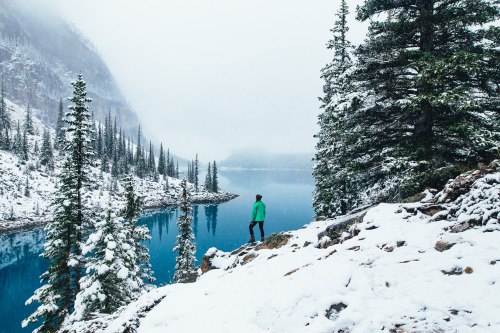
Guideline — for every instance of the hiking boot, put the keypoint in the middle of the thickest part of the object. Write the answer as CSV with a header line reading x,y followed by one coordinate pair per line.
x,y
252,239
262,239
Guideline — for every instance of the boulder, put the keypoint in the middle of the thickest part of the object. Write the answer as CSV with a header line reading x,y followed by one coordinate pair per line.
x,y
274,241
443,246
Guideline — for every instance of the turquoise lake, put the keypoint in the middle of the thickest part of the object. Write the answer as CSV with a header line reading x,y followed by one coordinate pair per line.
x,y
287,195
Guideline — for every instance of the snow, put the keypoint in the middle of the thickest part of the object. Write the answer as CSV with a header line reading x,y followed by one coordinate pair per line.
x,y
387,276
18,210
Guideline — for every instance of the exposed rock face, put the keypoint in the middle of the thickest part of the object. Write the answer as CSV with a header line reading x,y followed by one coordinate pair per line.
x,y
333,233
40,55
206,261
274,241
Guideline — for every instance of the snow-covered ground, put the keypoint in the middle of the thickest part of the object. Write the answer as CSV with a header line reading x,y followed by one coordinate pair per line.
x,y
431,266
20,208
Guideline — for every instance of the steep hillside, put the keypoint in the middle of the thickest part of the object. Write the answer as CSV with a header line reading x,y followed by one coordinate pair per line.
x,y
40,54
429,266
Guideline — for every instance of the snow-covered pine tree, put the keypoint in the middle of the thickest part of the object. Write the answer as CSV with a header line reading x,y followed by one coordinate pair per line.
x,y
208,179
111,279
73,219
161,162
139,233
23,153
184,246
332,190
429,68
4,120
215,178
151,160
46,154
28,122
59,126
196,173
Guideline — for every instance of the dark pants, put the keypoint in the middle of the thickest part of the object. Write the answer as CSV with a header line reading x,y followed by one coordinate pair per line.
x,y
261,227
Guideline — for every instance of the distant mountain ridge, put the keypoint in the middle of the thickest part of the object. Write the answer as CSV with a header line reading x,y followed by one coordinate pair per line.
x,y
41,54
252,158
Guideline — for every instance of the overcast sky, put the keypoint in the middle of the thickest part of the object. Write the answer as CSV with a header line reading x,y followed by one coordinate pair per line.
x,y
211,77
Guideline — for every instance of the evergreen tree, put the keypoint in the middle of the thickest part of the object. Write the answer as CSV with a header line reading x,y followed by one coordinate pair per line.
x,y
24,146
426,101
115,170
161,162
46,155
112,280
18,141
196,172
331,194
99,143
28,123
60,126
4,116
151,159
208,179
177,170
215,178
140,233
184,246
73,217
4,120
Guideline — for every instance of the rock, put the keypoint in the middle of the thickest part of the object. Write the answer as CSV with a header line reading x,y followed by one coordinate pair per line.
x,y
468,270
442,246
334,310
415,198
454,271
461,227
248,258
341,225
274,241
291,272
307,243
206,261
354,248
431,210
400,243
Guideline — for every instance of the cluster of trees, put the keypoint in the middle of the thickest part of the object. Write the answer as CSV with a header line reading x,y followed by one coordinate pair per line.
x,y
211,179
17,140
412,106
96,264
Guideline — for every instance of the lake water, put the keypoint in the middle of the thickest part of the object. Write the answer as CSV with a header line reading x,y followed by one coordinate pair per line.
x,y
287,195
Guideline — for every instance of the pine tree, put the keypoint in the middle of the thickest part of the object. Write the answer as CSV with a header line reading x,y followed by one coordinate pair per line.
x,y
46,154
331,194
59,126
215,178
161,162
196,172
73,218
140,233
4,120
112,280
24,146
430,70
28,123
151,160
184,246
208,179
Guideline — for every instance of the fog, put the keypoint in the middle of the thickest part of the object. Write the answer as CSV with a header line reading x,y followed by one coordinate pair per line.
x,y
210,77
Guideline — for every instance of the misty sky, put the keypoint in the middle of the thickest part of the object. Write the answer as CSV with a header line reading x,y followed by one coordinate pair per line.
x,y
211,77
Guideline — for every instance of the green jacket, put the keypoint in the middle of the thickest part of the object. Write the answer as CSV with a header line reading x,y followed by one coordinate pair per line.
x,y
259,211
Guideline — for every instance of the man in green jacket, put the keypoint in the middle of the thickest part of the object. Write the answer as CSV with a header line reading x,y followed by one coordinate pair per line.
x,y
258,216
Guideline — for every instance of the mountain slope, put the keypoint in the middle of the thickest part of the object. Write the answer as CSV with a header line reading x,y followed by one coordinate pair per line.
x,y
430,266
40,55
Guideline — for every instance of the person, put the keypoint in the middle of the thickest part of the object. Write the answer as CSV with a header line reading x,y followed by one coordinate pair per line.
x,y
258,216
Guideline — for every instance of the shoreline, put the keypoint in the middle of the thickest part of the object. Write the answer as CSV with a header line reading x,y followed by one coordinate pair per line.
x,y
28,223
